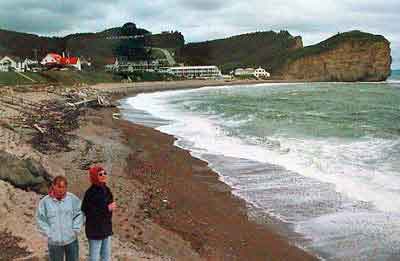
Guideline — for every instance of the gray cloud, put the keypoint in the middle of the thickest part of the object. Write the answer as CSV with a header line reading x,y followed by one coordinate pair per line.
x,y
204,5
201,20
50,17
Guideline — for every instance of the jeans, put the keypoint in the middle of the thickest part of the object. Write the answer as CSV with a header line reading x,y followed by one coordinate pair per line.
x,y
71,252
100,249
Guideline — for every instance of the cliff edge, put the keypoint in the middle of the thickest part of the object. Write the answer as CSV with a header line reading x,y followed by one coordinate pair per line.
x,y
348,57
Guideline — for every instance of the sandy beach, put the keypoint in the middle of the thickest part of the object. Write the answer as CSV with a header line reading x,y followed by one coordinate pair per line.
x,y
171,205
137,87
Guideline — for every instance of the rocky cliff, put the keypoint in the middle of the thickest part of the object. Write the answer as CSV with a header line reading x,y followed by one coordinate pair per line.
x,y
351,56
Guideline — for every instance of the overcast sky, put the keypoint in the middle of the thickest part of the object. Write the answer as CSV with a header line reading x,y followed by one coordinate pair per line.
x,y
201,20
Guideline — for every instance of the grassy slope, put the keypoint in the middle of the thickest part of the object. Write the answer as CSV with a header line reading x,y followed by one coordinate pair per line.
x,y
73,77
157,54
12,78
58,77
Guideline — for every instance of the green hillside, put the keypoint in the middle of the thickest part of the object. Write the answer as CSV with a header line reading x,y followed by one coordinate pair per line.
x,y
270,50
28,45
58,77
248,50
100,48
13,78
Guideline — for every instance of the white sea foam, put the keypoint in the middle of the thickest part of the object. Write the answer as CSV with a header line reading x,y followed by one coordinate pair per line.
x,y
396,82
345,165
355,236
338,227
329,160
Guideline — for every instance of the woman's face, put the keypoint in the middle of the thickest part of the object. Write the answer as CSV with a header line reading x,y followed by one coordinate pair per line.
x,y
102,176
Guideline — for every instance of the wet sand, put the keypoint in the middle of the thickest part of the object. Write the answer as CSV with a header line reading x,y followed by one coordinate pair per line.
x,y
185,196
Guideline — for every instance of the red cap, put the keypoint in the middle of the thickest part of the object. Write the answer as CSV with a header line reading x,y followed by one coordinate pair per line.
x,y
94,174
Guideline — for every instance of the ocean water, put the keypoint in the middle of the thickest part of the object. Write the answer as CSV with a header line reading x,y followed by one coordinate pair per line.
x,y
323,158
394,76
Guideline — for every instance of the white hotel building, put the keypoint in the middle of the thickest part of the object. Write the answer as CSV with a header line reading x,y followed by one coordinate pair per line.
x,y
192,72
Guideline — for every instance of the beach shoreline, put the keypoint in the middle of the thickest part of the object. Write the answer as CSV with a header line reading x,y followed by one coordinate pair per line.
x,y
127,89
248,237
199,207
172,206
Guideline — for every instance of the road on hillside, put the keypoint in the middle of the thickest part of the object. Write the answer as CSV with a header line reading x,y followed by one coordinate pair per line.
x,y
170,59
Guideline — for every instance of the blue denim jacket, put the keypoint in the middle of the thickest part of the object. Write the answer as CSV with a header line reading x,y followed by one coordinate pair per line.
x,y
60,220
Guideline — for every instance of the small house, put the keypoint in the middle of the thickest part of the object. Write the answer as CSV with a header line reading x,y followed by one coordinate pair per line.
x,y
56,60
51,59
72,62
9,64
261,73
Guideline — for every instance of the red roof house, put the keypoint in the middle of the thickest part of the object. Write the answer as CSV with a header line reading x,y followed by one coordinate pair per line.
x,y
53,59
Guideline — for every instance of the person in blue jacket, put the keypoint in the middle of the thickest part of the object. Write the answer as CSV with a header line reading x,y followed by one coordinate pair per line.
x,y
59,218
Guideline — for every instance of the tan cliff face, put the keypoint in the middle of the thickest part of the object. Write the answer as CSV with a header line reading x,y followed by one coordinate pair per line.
x,y
298,43
349,61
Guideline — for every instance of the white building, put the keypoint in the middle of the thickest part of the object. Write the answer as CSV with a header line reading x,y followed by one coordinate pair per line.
x,y
258,73
8,64
130,66
261,73
30,65
244,72
193,72
28,61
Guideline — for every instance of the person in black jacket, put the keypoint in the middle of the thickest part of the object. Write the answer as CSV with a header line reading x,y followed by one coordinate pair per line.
x,y
98,206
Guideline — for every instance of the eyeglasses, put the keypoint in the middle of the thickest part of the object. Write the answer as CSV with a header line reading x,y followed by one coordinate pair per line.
x,y
103,173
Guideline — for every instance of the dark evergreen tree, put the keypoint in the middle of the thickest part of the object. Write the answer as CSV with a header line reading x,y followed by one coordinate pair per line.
x,y
131,46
